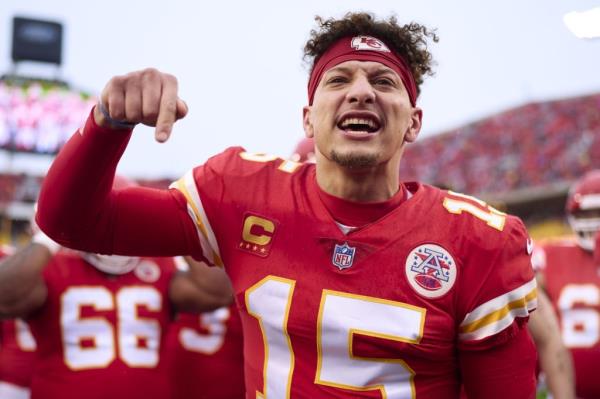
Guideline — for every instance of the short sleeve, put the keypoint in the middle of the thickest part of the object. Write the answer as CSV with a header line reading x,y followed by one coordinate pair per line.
x,y
203,186
499,288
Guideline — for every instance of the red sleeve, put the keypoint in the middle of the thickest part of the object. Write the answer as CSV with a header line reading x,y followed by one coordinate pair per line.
x,y
498,288
503,371
78,209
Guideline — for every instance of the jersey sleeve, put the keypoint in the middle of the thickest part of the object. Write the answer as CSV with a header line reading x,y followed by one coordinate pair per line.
x,y
495,374
210,190
78,209
498,289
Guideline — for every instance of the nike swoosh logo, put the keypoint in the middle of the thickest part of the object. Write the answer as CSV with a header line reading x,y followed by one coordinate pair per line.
x,y
529,246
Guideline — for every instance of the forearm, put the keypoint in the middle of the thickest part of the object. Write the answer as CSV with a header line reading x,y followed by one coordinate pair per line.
x,y
555,358
192,300
75,196
201,288
79,209
22,286
556,363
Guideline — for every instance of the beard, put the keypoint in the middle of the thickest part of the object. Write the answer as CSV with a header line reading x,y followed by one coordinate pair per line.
x,y
353,160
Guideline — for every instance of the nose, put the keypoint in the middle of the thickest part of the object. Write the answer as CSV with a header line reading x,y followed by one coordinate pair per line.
x,y
361,91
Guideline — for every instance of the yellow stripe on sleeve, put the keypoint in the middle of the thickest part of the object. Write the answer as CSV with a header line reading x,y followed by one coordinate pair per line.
x,y
499,313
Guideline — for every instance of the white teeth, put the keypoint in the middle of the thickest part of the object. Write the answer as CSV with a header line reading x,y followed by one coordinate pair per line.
x,y
359,121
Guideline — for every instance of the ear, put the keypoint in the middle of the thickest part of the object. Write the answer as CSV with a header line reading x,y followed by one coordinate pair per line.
x,y
415,127
306,122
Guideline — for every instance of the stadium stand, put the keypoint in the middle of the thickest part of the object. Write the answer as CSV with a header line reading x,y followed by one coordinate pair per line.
x,y
538,146
523,159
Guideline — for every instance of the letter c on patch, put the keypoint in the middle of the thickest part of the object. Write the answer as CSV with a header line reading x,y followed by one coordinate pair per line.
x,y
259,239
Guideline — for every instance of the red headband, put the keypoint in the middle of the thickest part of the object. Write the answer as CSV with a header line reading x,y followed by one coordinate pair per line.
x,y
361,48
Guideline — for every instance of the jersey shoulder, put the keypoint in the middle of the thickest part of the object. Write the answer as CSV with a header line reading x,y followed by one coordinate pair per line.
x,y
237,162
472,223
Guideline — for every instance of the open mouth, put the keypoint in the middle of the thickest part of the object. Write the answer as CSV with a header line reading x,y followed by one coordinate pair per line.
x,y
359,125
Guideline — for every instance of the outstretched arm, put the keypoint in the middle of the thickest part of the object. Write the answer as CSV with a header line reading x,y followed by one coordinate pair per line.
x,y
77,207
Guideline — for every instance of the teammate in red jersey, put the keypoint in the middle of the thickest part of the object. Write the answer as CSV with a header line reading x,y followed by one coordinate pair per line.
x,y
17,357
571,278
100,321
206,354
17,354
350,284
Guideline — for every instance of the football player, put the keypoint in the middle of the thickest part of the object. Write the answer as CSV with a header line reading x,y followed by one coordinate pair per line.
x,y
350,284
555,361
17,354
571,278
100,321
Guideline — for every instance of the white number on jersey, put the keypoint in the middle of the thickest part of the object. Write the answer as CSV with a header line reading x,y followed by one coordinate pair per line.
x,y
580,326
341,317
24,337
215,323
94,342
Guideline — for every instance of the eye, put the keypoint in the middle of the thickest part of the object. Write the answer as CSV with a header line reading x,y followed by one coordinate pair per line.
x,y
336,79
382,81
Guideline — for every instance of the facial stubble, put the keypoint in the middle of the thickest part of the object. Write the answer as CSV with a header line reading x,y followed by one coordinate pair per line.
x,y
353,160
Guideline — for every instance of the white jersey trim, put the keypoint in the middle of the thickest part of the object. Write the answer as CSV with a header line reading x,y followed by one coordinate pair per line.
x,y
497,314
187,186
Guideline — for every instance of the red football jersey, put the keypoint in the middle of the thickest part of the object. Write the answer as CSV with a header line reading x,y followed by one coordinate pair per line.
x,y
384,311
100,336
573,285
206,354
17,352
17,347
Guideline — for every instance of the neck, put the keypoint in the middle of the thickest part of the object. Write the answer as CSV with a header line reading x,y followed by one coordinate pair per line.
x,y
373,184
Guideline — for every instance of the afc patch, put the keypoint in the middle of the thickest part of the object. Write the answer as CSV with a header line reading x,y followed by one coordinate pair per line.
x,y
257,234
430,270
343,256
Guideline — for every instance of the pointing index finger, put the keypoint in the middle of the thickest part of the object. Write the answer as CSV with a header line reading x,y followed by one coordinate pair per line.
x,y
167,113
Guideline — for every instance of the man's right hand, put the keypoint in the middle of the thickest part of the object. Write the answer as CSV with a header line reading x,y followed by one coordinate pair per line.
x,y
148,97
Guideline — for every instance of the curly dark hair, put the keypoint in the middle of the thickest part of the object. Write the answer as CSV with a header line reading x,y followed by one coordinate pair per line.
x,y
409,41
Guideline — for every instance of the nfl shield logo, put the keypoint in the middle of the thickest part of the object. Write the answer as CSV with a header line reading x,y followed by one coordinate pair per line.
x,y
343,256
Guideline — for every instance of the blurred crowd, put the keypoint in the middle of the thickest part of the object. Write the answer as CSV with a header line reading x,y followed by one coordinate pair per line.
x,y
40,117
533,146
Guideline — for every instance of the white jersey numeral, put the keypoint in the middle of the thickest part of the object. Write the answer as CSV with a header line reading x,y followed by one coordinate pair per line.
x,y
491,216
342,316
24,337
269,302
91,342
134,330
286,165
579,326
215,323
